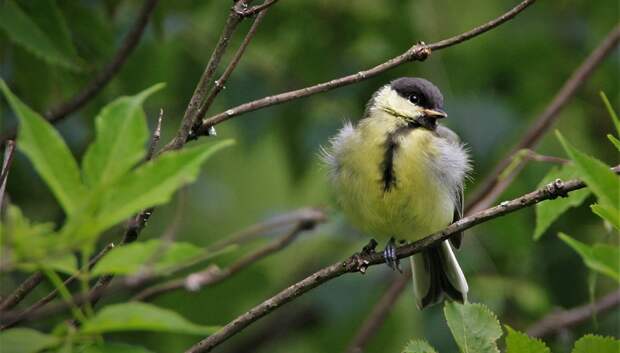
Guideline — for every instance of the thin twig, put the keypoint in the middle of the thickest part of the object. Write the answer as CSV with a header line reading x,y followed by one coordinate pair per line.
x,y
54,293
493,186
107,73
379,313
200,92
220,83
155,137
22,291
359,263
212,275
9,151
500,178
418,52
565,319
303,220
258,8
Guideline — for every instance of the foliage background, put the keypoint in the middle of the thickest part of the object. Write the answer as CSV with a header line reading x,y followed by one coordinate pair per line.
x,y
493,85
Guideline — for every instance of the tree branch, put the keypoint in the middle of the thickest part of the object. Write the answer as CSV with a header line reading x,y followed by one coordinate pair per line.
x,y
220,83
493,186
213,275
501,177
359,263
9,151
561,320
418,52
258,8
22,291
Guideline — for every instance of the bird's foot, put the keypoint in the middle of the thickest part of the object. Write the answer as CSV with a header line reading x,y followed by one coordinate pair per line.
x,y
370,247
361,264
389,253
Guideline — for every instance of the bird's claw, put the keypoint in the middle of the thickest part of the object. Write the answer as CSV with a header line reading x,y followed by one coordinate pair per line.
x,y
389,253
361,264
370,247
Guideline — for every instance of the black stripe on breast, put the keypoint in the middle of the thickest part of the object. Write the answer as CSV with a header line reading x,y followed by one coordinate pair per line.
x,y
388,177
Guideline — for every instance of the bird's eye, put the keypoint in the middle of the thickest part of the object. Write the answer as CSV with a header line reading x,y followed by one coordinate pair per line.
x,y
414,98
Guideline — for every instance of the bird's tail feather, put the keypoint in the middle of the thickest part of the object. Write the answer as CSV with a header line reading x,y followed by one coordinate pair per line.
x,y
436,273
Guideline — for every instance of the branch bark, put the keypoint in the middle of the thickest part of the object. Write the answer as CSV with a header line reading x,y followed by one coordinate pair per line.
x,y
562,320
359,263
9,151
418,52
493,186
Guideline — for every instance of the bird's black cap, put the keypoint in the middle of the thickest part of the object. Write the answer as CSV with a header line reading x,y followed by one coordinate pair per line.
x,y
429,94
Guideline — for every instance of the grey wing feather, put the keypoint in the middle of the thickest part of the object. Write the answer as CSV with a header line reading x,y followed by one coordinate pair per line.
x,y
451,136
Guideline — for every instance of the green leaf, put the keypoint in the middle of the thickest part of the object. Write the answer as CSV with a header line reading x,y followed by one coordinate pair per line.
x,y
30,241
25,340
548,212
49,18
608,213
129,259
66,263
153,183
599,257
419,346
109,347
614,140
22,30
517,342
120,141
604,183
142,317
612,112
475,328
48,153
596,344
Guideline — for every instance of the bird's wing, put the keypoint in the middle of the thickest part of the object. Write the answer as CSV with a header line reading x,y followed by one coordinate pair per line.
x,y
459,202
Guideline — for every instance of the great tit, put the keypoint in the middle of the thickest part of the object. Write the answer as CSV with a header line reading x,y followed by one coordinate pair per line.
x,y
398,175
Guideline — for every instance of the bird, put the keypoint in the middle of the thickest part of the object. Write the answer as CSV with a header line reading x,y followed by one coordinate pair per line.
x,y
399,174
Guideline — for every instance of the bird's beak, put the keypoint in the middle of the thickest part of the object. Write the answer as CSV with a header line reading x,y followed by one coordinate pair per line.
x,y
435,113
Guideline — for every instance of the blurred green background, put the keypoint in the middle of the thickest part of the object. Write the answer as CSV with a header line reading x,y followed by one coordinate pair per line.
x,y
494,86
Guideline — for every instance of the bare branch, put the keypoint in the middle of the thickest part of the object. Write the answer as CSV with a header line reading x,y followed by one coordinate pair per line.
x,y
200,91
22,291
359,263
220,83
258,8
562,320
492,187
418,52
53,294
212,275
9,151
155,137
107,73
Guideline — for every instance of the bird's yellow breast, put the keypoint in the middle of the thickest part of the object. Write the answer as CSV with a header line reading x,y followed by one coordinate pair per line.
x,y
415,204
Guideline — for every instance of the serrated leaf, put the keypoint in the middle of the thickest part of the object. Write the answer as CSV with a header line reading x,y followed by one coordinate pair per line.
x,y
419,346
548,212
129,259
22,30
109,347
121,136
136,316
25,340
518,342
612,112
49,154
596,344
608,213
604,183
153,183
599,257
474,327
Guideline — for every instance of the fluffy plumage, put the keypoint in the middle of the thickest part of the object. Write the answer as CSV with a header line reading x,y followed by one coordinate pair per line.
x,y
399,174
